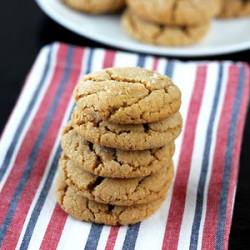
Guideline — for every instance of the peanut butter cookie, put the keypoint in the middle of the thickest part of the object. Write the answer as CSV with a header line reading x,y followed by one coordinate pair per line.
x,y
81,208
121,192
127,95
164,35
175,12
111,162
234,8
126,137
96,6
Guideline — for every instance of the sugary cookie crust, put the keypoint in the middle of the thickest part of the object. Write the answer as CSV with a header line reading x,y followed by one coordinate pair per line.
x,y
81,208
164,35
128,95
234,8
110,162
121,192
175,12
96,6
126,137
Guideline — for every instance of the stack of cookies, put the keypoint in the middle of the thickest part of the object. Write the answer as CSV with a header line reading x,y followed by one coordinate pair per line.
x,y
116,166
169,22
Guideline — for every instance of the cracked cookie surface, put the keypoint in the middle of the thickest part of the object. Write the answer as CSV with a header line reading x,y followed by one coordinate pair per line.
x,y
96,6
128,95
165,35
121,192
234,8
125,136
112,162
175,12
81,208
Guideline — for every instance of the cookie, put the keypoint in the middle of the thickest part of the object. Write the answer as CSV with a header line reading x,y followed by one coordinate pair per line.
x,y
96,6
121,192
175,12
83,209
111,162
163,35
234,8
126,137
128,95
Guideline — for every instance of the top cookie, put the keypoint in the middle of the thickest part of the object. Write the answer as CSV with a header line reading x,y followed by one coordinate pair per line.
x,y
128,95
175,12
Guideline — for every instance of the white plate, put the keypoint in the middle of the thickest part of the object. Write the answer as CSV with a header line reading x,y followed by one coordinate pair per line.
x,y
225,36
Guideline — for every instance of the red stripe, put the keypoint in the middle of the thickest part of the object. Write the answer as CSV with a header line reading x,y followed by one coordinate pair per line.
x,y
177,205
236,157
42,157
211,220
155,63
54,229
112,238
109,59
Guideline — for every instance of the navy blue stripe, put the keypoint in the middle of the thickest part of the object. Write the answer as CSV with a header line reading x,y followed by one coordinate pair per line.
x,y
169,69
89,62
34,153
25,117
141,61
44,193
228,162
204,166
94,236
131,236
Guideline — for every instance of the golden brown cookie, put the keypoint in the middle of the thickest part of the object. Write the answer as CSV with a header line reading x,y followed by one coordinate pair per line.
x,y
175,12
121,192
126,137
111,162
127,95
81,208
234,8
96,6
164,35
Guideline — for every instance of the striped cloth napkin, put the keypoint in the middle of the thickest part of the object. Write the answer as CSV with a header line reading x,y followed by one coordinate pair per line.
x,y
198,210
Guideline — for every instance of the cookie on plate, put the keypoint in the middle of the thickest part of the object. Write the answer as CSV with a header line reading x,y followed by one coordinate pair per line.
x,y
83,209
128,95
112,162
121,192
234,8
96,6
175,12
164,35
126,136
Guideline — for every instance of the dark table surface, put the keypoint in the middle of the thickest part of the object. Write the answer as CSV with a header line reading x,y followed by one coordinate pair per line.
x,y
24,29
